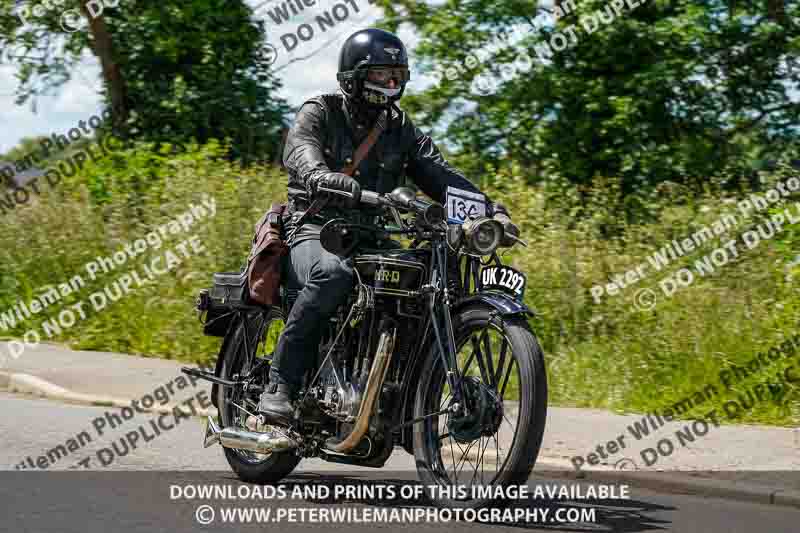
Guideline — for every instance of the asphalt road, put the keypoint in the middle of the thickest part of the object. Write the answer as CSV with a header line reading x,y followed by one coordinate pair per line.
x,y
144,489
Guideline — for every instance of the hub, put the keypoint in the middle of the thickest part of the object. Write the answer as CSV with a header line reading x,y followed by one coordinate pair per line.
x,y
485,413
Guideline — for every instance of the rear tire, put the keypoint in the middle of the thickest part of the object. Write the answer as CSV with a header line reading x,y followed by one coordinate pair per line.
x,y
250,467
434,441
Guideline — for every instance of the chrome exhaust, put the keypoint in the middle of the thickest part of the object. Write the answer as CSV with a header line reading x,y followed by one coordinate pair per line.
x,y
377,374
270,441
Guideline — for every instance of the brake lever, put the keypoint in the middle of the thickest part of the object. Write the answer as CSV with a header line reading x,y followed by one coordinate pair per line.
x,y
335,191
517,239
396,216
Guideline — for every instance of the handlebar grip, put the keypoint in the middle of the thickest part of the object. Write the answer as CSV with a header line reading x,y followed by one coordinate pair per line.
x,y
371,198
433,213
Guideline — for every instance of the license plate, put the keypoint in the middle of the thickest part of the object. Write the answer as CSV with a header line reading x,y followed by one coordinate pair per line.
x,y
504,278
464,205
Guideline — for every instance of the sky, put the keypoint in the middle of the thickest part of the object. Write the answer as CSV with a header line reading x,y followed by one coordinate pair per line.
x,y
302,78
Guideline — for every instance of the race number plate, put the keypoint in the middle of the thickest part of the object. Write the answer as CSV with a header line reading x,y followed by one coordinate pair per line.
x,y
463,205
504,278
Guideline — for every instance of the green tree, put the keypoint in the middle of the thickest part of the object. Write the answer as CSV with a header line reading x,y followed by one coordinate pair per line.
x,y
171,71
671,90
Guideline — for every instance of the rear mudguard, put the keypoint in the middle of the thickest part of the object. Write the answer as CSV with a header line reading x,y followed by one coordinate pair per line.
x,y
220,356
504,304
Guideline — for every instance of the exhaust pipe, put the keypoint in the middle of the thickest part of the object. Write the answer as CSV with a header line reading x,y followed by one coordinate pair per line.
x,y
377,374
268,442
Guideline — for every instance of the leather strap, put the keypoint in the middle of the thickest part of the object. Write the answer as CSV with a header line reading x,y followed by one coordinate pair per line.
x,y
360,153
367,144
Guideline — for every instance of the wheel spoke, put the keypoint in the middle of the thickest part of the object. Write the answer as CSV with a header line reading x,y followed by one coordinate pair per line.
x,y
509,422
467,364
496,451
452,450
479,356
487,348
444,401
505,380
478,462
464,456
501,361
452,453
480,459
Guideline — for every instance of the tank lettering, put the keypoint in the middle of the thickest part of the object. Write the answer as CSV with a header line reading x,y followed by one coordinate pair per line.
x,y
392,276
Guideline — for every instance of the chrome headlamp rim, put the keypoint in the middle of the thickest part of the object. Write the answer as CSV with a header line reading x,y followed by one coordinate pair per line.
x,y
472,229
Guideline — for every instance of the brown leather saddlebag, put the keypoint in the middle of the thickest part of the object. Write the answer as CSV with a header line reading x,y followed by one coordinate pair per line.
x,y
266,255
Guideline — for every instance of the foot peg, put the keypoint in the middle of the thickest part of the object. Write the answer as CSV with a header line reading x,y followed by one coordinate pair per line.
x,y
257,423
208,376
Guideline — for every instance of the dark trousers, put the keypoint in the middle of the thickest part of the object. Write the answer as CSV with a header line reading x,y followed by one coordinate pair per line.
x,y
326,279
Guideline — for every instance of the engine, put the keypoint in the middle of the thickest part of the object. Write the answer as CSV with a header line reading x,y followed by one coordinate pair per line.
x,y
340,399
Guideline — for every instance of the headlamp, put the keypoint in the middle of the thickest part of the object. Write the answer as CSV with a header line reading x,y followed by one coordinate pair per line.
x,y
482,235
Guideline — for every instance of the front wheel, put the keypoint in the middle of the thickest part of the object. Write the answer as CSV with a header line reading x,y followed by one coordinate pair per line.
x,y
496,442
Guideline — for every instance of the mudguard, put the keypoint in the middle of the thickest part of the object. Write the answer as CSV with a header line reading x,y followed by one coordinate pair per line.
x,y
505,304
220,356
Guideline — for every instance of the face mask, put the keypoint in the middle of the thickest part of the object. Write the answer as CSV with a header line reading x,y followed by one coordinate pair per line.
x,y
383,90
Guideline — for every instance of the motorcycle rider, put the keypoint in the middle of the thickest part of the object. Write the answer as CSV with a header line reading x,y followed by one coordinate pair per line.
x,y
373,72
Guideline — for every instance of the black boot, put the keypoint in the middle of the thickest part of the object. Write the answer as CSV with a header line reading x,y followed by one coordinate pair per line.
x,y
276,401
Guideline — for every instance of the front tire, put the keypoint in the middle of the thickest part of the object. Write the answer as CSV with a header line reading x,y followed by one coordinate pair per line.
x,y
487,372
250,467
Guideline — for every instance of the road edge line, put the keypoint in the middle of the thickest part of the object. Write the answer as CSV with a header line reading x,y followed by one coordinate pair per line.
x,y
36,386
681,482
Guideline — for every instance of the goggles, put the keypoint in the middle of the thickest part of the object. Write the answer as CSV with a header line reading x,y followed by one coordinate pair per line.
x,y
382,75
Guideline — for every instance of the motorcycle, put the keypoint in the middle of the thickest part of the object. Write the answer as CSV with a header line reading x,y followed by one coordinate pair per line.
x,y
432,352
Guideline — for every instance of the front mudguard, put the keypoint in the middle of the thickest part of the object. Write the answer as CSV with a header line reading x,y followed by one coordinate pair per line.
x,y
505,304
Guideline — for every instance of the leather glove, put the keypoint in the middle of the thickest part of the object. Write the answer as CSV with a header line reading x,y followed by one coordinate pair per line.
x,y
501,215
336,181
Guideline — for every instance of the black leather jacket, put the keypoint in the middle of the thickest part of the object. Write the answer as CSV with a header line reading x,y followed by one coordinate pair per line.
x,y
324,137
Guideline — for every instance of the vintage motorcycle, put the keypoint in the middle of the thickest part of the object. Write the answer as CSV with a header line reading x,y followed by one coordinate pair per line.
x,y
432,352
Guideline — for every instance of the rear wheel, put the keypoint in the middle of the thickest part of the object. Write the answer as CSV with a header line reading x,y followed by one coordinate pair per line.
x,y
497,441
243,353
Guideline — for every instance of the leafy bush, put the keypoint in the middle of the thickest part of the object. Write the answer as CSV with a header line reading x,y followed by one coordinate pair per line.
x,y
611,353
600,354
117,201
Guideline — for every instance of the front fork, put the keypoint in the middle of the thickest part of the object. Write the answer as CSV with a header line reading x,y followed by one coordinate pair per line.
x,y
447,345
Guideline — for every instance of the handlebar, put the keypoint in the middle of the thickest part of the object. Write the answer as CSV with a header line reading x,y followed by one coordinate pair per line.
x,y
431,212
373,199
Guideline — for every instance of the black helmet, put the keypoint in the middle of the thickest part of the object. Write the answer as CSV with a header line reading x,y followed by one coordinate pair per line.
x,y
368,55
